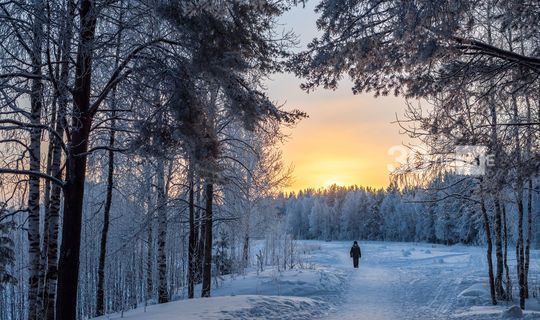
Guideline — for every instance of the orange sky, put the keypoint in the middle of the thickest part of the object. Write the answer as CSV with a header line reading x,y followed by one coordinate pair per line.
x,y
346,138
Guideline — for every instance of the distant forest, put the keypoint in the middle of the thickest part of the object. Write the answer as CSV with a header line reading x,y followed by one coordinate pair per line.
x,y
433,214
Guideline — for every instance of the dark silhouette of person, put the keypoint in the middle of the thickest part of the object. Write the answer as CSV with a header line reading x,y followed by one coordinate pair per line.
x,y
356,254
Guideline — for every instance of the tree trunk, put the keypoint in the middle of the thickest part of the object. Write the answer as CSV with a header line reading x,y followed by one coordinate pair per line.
x,y
245,249
520,256
505,256
489,251
519,248
192,237
149,264
163,295
47,205
36,104
207,264
529,201
100,294
202,234
528,242
53,216
498,249
68,275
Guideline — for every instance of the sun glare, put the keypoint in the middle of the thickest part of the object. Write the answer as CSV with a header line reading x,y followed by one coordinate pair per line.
x,y
333,181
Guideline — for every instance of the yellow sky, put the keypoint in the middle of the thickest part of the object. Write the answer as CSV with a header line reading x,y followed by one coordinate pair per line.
x,y
346,138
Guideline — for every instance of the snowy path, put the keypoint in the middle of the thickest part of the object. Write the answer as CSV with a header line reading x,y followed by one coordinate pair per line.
x,y
402,282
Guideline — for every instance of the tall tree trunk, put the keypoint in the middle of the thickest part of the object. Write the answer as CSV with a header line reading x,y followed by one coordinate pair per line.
x,y
68,275
100,293
494,149
207,264
489,250
520,255
529,236
202,232
163,295
47,205
36,104
505,256
53,216
192,236
529,200
519,248
150,238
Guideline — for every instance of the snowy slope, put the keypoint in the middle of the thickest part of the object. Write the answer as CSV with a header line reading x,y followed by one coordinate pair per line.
x,y
229,307
394,281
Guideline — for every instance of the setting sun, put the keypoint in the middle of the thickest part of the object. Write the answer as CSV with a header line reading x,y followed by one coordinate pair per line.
x,y
344,141
333,181
346,138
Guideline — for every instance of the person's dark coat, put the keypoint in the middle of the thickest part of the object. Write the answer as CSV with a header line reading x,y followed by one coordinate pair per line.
x,y
356,254
355,251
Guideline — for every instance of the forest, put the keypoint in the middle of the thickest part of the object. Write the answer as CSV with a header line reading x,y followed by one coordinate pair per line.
x,y
140,154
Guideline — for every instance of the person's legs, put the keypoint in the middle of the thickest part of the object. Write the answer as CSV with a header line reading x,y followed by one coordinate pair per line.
x,y
355,262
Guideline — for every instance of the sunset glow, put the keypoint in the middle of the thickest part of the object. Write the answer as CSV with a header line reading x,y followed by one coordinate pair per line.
x,y
344,141
346,138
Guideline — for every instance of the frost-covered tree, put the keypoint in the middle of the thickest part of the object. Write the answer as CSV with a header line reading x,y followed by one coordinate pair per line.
x,y
417,48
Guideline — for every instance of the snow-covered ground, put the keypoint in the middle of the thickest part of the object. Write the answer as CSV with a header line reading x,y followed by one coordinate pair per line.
x,y
394,281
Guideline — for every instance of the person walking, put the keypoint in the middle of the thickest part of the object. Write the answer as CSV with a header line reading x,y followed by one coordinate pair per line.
x,y
356,254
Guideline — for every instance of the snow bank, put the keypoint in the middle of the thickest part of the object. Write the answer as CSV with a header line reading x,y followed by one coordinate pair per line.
x,y
513,312
300,293
497,312
476,290
313,282
477,294
225,308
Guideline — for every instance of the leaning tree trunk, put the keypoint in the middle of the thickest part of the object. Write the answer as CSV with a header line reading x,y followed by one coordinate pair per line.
x,y
36,104
68,275
207,263
163,295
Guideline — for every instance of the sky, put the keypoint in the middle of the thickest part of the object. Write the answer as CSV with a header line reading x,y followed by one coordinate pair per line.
x,y
347,138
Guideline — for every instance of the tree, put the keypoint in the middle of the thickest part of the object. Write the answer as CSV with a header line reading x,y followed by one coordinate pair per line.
x,y
417,48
